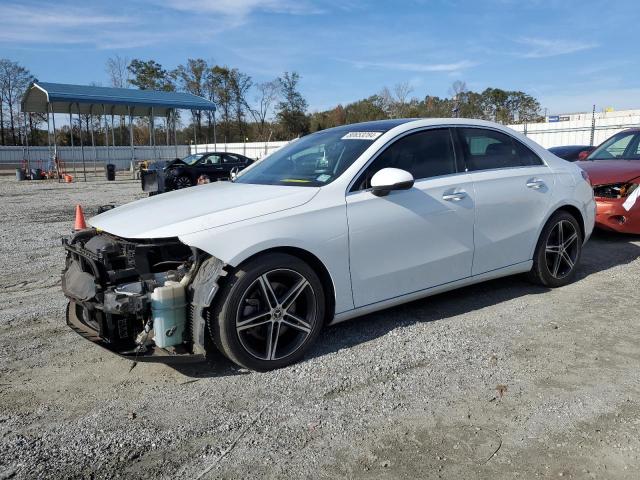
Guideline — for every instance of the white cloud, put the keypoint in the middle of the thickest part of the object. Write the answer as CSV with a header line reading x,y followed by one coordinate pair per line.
x,y
544,47
42,15
243,8
417,67
67,24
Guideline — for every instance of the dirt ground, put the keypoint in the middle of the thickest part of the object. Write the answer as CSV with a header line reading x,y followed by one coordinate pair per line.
x,y
499,380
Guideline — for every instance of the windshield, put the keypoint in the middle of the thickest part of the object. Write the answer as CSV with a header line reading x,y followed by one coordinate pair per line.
x,y
623,145
192,159
312,161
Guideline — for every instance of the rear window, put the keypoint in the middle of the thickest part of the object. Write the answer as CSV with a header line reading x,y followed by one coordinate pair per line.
x,y
486,149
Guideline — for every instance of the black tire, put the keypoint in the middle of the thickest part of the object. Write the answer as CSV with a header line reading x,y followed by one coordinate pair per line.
x,y
293,327
182,181
554,266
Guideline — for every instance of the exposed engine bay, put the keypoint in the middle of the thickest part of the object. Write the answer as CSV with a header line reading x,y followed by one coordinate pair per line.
x,y
616,190
136,297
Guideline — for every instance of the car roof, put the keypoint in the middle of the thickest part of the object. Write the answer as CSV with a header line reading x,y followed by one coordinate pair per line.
x,y
387,125
374,125
217,153
567,147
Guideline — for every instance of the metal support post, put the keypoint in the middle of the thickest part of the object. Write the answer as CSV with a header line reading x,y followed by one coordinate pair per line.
x,y
152,138
175,136
56,161
26,142
195,135
93,143
133,153
215,139
106,134
73,153
84,166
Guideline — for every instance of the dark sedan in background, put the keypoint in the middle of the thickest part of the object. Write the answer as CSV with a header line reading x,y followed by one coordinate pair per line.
x,y
189,171
571,153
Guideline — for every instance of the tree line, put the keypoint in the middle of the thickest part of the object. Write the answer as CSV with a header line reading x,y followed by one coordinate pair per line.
x,y
246,110
494,104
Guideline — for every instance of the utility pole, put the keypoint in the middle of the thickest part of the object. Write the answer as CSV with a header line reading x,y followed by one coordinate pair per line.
x,y
593,125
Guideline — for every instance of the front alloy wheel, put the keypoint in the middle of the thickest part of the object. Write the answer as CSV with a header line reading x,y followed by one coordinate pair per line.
x,y
182,181
269,312
276,314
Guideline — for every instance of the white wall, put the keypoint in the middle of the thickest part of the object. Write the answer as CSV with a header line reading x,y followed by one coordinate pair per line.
x,y
40,157
255,150
578,132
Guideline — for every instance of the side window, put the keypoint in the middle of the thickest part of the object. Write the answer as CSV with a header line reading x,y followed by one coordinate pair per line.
x,y
489,149
424,154
229,158
211,160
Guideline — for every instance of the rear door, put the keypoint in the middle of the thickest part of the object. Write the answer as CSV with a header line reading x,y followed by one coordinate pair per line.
x,y
211,166
513,189
411,240
231,161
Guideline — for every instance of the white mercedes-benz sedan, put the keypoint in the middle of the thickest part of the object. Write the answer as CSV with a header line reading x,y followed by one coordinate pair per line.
x,y
335,225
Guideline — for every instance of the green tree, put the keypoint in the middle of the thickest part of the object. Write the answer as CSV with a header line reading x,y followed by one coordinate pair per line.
x,y
149,75
266,96
192,78
365,110
291,110
14,80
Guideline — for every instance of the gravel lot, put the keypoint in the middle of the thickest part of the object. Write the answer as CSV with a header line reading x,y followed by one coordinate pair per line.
x,y
499,380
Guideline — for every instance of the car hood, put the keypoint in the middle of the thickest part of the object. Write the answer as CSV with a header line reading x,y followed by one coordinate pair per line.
x,y
199,208
602,172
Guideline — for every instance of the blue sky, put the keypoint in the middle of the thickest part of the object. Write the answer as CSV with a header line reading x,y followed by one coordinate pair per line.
x,y
569,54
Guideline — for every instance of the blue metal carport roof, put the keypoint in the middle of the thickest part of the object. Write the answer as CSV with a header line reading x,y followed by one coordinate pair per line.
x,y
61,97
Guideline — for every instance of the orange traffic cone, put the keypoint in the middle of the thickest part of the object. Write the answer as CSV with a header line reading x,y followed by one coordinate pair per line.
x,y
80,223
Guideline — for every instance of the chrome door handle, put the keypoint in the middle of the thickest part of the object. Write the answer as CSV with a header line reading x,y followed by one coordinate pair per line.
x,y
535,183
454,197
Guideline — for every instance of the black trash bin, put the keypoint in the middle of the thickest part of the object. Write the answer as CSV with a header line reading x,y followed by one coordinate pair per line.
x,y
110,171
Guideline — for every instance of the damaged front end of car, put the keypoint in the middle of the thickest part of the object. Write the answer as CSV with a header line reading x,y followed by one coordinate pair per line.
x,y
618,208
141,299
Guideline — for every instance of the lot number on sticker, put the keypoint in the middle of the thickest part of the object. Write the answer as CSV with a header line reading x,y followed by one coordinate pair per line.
x,y
361,135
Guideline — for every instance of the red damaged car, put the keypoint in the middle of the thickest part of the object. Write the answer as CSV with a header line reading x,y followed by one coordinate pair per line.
x,y
614,171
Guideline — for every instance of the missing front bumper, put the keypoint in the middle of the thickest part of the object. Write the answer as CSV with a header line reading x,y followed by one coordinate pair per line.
x,y
179,354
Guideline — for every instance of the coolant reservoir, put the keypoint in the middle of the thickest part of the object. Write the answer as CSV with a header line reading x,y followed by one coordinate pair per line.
x,y
168,308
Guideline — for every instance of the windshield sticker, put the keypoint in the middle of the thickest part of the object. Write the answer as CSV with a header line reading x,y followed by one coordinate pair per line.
x,y
323,178
362,135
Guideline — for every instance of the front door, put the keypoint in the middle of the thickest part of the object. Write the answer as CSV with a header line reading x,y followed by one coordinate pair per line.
x,y
411,240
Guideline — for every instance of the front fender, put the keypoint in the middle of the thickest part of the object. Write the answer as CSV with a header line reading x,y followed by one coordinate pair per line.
x,y
322,233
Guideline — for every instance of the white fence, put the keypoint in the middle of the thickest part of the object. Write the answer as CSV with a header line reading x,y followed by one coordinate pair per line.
x,y
41,157
577,132
255,150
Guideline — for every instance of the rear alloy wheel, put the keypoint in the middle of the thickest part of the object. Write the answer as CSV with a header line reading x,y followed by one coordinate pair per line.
x,y
271,312
558,251
182,181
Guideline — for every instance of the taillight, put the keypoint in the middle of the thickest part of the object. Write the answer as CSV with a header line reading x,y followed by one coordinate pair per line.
x,y
585,175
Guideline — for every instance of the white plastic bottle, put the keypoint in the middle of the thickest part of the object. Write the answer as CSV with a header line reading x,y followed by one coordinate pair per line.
x,y
168,308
